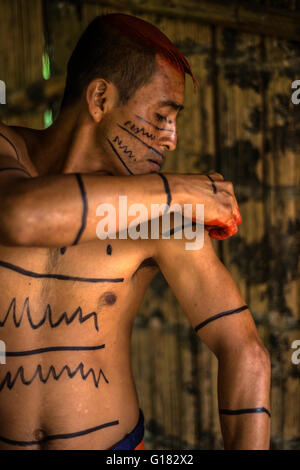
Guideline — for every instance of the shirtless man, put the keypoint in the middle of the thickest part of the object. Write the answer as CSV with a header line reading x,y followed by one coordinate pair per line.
x,y
68,299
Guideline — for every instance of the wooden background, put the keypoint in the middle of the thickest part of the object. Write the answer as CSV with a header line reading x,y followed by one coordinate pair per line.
x,y
241,123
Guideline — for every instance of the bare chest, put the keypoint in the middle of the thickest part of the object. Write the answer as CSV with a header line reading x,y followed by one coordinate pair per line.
x,y
51,288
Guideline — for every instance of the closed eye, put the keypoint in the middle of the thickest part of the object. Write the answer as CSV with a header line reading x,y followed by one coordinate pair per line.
x,y
160,118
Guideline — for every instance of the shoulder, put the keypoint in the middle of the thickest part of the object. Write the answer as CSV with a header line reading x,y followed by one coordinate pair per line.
x,y
12,143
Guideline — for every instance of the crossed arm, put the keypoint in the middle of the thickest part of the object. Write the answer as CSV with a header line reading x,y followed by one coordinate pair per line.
x,y
215,308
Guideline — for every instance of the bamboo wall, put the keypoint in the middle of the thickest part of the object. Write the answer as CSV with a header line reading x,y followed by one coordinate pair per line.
x,y
242,124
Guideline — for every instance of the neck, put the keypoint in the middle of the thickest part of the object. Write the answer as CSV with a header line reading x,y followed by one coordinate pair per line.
x,y
69,146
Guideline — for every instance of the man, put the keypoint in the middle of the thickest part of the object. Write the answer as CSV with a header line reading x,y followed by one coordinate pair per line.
x,y
68,299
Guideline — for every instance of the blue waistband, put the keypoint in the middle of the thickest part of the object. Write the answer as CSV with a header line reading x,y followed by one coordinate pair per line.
x,y
132,440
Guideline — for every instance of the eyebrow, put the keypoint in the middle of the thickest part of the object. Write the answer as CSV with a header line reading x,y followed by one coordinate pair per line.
x,y
171,104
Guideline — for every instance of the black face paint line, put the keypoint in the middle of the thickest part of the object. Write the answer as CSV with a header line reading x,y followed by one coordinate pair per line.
x,y
47,316
245,411
124,147
10,380
219,315
54,437
154,126
59,277
109,250
142,142
52,349
119,157
138,130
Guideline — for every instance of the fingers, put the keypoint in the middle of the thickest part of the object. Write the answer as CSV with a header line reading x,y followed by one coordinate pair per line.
x,y
216,176
220,230
222,207
227,187
223,233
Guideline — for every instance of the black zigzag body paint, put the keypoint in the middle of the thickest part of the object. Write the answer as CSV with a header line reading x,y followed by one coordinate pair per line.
x,y
10,380
47,317
124,148
119,157
142,142
138,130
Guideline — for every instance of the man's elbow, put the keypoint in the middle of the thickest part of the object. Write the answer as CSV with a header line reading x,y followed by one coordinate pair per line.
x,y
257,358
251,356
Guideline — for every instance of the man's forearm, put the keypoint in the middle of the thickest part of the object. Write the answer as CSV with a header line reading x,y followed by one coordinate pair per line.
x,y
60,210
244,403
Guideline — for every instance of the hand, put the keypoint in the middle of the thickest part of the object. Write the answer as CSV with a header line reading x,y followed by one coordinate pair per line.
x,y
221,211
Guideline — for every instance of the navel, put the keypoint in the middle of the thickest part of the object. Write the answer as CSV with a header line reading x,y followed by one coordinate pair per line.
x,y
39,434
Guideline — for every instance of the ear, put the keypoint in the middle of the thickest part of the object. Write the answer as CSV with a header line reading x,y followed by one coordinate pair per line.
x,y
101,97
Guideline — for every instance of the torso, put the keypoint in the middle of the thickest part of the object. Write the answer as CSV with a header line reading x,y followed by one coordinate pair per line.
x,y
87,297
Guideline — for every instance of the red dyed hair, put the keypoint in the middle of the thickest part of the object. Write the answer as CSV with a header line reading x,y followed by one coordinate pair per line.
x,y
121,49
151,37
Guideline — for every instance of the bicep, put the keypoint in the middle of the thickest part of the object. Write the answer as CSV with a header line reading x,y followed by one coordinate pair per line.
x,y
207,293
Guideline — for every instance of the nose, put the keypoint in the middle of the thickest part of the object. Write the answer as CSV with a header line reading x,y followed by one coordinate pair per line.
x,y
168,139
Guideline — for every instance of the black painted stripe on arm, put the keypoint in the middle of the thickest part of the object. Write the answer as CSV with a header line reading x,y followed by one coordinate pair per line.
x,y
167,188
244,411
219,315
11,143
84,212
85,208
167,191
213,184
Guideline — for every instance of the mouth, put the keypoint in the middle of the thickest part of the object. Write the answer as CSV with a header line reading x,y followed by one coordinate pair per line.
x,y
155,164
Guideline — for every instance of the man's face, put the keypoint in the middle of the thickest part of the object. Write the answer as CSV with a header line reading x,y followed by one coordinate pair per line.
x,y
138,133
